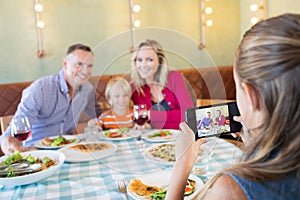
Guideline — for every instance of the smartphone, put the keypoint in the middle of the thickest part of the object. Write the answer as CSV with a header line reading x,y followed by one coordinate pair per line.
x,y
213,120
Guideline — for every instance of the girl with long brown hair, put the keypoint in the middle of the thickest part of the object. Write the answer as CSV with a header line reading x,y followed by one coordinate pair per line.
x,y
266,73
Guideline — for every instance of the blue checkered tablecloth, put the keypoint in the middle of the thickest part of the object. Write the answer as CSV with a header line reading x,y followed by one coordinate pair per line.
x,y
97,179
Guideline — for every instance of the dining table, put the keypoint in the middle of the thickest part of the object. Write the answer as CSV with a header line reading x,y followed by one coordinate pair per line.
x,y
97,179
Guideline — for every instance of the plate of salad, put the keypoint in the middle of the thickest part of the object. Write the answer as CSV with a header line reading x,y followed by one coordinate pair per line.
x,y
49,161
56,142
161,135
120,134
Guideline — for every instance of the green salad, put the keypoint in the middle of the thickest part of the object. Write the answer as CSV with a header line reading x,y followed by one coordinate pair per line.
x,y
121,132
61,140
17,157
57,141
162,133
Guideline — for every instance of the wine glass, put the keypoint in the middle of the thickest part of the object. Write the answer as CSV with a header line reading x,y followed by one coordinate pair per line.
x,y
20,128
140,117
140,114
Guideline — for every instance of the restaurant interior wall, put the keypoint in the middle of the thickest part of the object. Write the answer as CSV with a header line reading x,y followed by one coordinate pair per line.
x,y
272,8
105,26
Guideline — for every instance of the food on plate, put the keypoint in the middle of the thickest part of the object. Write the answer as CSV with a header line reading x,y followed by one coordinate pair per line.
x,y
141,189
222,130
165,152
16,157
159,195
119,133
156,192
207,128
90,147
190,187
58,141
162,133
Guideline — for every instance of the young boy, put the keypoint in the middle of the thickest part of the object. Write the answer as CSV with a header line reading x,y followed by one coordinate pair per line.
x,y
117,93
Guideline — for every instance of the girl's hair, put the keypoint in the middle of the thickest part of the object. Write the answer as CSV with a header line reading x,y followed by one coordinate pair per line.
x,y
268,59
161,75
123,83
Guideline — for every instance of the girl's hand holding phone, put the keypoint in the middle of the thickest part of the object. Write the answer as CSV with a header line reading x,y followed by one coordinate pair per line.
x,y
244,134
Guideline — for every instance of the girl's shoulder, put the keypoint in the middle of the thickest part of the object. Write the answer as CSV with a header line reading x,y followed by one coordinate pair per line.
x,y
226,187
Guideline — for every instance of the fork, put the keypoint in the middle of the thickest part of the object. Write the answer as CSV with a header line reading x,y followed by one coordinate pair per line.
x,y
18,164
122,187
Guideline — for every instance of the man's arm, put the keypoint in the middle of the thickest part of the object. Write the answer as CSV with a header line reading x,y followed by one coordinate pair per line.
x,y
93,109
29,106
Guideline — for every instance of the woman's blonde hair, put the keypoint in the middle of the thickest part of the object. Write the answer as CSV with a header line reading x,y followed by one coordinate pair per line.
x,y
161,75
268,59
123,83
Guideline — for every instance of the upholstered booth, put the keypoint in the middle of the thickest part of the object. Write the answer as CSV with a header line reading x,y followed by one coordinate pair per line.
x,y
203,83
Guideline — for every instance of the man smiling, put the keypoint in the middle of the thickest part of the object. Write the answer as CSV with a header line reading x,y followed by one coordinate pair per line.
x,y
53,104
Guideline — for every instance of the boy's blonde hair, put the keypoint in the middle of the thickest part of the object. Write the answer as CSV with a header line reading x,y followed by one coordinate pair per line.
x,y
122,82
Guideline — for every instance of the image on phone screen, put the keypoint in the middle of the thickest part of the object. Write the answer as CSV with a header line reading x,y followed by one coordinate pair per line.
x,y
213,120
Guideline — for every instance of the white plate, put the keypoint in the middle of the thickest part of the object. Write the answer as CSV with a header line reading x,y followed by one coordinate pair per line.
x,y
37,176
39,144
74,155
158,160
205,130
168,138
162,179
130,134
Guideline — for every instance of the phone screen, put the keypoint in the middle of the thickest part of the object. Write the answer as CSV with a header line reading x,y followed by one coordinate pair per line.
x,y
213,120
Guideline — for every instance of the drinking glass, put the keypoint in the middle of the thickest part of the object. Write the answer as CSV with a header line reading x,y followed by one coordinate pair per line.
x,y
92,133
20,128
202,166
140,114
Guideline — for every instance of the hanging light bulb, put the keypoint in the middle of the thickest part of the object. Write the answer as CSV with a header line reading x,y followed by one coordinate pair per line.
x,y
208,10
209,22
137,23
136,8
254,20
253,7
38,7
40,24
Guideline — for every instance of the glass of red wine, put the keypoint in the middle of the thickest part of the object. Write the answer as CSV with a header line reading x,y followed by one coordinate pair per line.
x,y
20,128
140,114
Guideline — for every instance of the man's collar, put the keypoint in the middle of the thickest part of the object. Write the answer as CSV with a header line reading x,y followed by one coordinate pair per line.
x,y
62,82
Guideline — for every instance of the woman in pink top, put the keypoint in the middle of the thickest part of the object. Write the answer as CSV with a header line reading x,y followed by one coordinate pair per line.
x,y
220,119
161,89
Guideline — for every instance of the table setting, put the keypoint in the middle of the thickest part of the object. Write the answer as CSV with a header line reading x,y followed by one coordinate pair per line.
x,y
93,167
